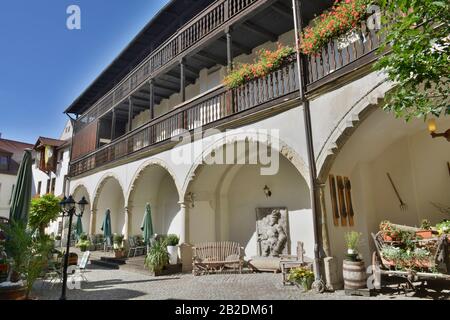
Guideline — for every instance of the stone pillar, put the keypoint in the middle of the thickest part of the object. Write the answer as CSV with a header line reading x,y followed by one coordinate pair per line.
x,y
92,221
323,222
184,230
126,227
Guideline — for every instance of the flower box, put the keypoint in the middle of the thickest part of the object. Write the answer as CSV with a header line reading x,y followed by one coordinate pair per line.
x,y
425,234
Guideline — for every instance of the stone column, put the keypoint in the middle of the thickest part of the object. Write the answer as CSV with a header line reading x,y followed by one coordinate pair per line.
x,y
126,227
184,230
92,221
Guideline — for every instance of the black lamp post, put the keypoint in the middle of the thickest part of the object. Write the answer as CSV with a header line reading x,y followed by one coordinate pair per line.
x,y
68,209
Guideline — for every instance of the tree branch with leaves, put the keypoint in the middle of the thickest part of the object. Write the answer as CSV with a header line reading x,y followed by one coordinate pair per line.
x,y
417,42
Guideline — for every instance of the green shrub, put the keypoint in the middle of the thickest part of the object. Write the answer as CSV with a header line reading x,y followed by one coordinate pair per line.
x,y
43,210
157,257
172,240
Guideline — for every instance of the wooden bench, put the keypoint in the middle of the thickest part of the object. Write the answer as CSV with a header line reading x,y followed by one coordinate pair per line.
x,y
216,256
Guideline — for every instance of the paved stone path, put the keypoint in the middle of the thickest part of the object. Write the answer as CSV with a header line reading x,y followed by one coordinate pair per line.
x,y
106,284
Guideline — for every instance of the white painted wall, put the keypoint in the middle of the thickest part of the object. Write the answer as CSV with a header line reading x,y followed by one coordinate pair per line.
x,y
7,183
417,164
111,197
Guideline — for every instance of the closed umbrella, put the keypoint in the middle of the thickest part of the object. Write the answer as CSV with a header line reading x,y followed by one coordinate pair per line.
x,y
21,197
106,227
147,225
79,228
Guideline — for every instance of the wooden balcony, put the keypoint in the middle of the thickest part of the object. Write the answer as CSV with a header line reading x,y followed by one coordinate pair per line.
x,y
335,65
213,109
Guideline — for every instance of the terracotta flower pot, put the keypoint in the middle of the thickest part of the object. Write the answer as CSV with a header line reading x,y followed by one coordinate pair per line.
x,y
425,234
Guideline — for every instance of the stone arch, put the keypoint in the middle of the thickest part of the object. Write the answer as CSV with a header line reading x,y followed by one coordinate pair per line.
x,y
154,182
142,168
80,190
101,183
117,204
347,125
282,147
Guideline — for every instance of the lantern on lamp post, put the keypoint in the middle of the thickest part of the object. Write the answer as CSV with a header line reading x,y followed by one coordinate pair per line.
x,y
68,209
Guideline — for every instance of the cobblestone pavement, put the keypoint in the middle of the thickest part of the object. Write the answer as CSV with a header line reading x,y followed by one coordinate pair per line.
x,y
106,284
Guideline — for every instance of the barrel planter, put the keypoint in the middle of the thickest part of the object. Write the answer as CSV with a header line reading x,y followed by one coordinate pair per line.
x,y
354,275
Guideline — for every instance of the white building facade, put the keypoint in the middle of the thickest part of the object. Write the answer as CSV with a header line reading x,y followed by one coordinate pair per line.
x,y
135,160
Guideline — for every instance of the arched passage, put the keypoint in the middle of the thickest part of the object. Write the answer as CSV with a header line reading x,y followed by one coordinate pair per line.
x,y
226,196
154,184
79,192
417,163
109,195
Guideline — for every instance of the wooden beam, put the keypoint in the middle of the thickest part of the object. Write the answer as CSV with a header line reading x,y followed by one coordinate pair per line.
x,y
212,57
260,30
113,124
239,46
283,10
130,113
165,87
152,99
182,80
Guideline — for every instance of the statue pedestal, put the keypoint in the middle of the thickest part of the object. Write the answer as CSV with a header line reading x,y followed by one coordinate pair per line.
x,y
265,264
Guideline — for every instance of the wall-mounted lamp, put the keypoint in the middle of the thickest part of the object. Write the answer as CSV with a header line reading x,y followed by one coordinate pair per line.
x,y
432,127
190,197
267,191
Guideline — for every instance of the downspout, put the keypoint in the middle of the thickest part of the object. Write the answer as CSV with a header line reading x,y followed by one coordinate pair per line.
x,y
318,285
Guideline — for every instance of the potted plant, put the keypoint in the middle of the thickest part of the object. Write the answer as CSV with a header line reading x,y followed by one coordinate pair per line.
x,y
352,239
389,231
118,245
354,270
157,257
84,243
301,277
426,232
444,228
57,241
172,241
28,258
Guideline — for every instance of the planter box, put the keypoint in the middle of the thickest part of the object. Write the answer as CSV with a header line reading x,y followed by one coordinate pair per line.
x,y
425,234
17,292
169,269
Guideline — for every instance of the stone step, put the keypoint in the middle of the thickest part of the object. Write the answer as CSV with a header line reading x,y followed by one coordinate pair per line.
x,y
105,264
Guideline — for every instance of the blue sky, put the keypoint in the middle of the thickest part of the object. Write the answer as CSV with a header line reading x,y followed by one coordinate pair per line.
x,y
44,66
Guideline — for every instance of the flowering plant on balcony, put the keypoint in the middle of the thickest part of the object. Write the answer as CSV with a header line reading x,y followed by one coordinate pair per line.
x,y
341,18
266,62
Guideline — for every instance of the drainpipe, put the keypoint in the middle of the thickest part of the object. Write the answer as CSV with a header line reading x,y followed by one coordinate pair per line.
x,y
318,285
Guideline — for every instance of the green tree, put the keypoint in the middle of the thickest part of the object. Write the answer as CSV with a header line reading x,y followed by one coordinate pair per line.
x,y
417,36
43,210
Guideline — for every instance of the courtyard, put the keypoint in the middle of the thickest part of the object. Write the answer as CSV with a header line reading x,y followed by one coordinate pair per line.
x,y
107,284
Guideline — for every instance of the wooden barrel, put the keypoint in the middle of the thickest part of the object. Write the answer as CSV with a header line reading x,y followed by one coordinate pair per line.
x,y
354,275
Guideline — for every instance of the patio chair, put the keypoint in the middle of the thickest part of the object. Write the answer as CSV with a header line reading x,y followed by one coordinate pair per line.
x,y
135,247
99,242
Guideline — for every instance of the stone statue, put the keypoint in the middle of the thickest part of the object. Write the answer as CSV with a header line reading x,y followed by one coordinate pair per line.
x,y
272,233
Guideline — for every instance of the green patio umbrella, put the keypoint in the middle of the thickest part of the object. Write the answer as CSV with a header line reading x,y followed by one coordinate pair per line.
x,y
21,197
147,225
106,227
79,228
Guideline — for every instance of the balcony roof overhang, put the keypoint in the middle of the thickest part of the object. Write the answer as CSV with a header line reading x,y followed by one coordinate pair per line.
x,y
160,27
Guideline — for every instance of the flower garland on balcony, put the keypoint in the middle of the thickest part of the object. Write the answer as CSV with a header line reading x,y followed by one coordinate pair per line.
x,y
341,18
266,62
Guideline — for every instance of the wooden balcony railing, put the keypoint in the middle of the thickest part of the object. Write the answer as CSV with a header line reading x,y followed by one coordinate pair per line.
x,y
336,55
205,23
205,111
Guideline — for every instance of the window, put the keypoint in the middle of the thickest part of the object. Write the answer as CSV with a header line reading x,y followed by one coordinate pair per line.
x,y
53,185
12,192
48,187
61,155
39,188
4,163
65,186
